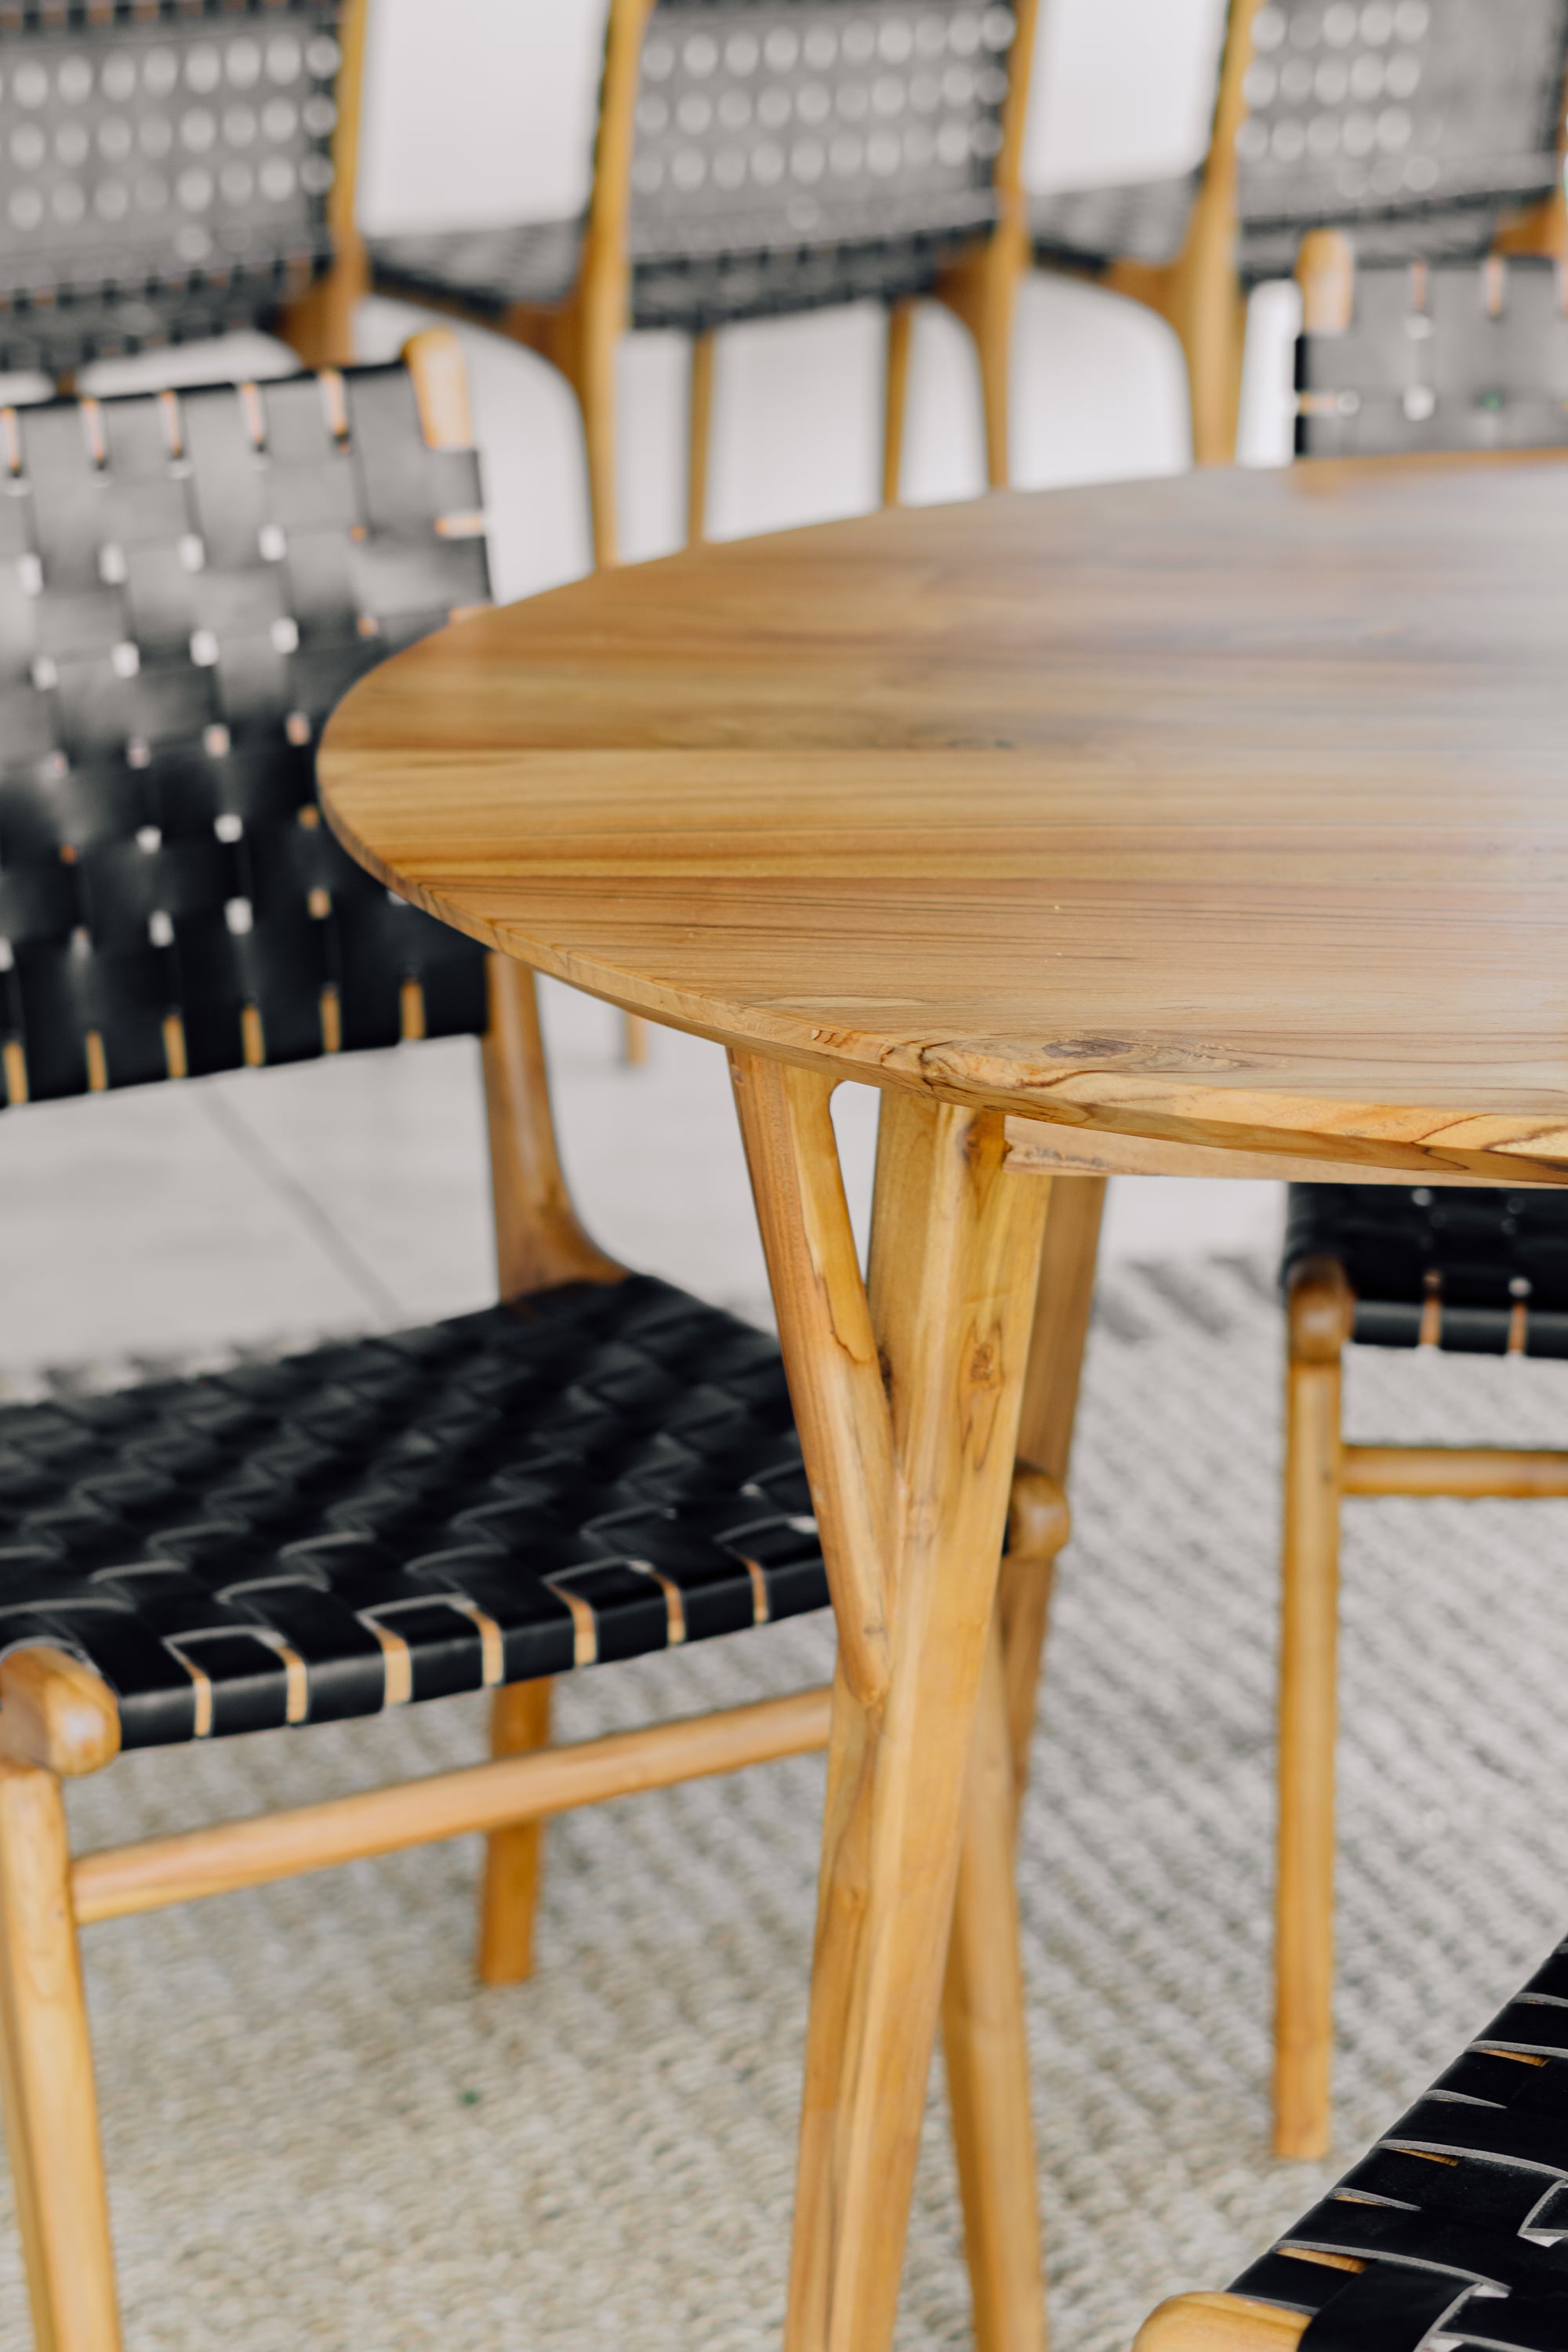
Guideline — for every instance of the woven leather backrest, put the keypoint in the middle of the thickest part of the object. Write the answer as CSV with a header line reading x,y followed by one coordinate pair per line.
x,y
1462,356
1361,111
163,171
188,583
771,125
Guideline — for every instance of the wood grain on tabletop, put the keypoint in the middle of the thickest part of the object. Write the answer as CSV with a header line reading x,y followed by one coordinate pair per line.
x,y
1226,809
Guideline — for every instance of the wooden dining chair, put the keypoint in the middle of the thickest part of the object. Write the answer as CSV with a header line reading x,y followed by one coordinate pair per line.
x,y
1451,2231
169,173
1451,356
1424,130
764,159
598,1467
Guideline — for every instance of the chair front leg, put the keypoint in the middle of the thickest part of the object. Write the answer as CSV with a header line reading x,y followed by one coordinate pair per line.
x,y
46,2074
1320,1312
514,1858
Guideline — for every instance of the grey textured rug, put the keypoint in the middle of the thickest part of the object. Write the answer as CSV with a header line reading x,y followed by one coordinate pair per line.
x,y
321,2134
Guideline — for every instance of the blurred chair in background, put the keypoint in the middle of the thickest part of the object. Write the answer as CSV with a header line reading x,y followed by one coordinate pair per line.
x,y
169,174
1393,360
756,158
1425,128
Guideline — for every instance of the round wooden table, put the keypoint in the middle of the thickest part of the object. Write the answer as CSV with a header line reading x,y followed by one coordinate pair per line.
x,y
1217,822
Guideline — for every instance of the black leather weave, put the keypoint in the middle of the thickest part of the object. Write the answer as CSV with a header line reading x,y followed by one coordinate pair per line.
x,y
791,154
1414,124
597,1474
163,171
187,586
1470,2249
1492,1267
1439,358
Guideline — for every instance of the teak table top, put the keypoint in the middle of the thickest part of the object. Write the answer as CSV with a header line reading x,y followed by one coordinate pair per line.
x,y
1227,809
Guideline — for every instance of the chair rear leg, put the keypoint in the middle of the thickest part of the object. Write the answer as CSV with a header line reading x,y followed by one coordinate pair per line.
x,y
46,2075
1320,1314
514,1858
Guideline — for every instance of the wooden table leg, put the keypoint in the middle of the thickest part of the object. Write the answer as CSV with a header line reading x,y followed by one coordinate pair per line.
x,y
907,1402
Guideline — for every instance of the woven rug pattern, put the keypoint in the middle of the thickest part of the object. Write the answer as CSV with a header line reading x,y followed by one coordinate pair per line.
x,y
320,2133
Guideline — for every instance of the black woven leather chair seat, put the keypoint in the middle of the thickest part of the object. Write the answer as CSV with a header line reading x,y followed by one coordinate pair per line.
x,y
163,171
1088,228
1439,358
485,269
597,1474
1484,1272
1415,124
1452,2230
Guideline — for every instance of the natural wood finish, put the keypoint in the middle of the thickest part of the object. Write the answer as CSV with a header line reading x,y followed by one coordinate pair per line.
x,y
1325,272
581,337
1200,292
1040,1147
1471,1471
46,2075
434,359
699,433
896,397
182,1869
877,795
515,1856
539,1241
1319,1314
1542,227
829,1348
56,1713
981,287
915,1507
634,1041
1040,1522
320,325
985,2041
1220,2323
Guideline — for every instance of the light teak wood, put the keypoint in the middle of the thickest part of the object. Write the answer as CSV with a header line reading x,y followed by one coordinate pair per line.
x,y
1468,1472
320,325
46,2075
699,433
539,1241
1220,2323
1040,1522
514,1858
874,796
985,2042
1319,1314
56,1713
1200,292
981,287
514,1787
908,1416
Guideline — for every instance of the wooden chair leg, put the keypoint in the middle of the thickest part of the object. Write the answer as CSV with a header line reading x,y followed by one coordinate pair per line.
x,y
634,1041
1220,2323
896,398
700,437
1320,1314
1040,1525
46,2075
514,1858
985,2041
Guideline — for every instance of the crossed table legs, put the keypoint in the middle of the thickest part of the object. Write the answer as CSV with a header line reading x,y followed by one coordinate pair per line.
x,y
907,1392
